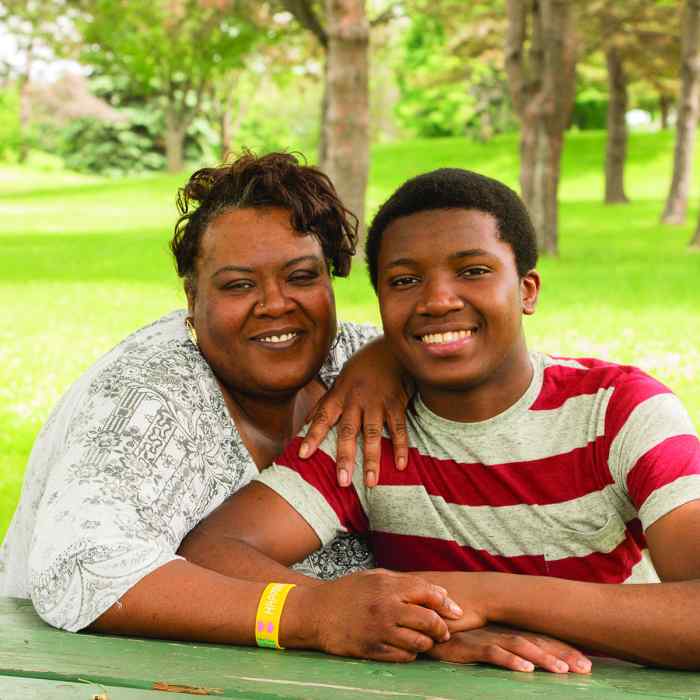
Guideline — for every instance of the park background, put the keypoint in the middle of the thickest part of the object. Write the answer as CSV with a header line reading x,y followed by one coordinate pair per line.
x,y
587,107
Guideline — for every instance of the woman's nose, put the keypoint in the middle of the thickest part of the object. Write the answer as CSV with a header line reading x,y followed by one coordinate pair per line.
x,y
439,298
273,301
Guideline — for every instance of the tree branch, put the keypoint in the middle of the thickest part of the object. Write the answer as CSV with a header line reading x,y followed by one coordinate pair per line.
x,y
304,13
514,49
386,16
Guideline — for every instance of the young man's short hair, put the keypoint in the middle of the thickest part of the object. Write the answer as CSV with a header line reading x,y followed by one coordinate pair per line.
x,y
454,188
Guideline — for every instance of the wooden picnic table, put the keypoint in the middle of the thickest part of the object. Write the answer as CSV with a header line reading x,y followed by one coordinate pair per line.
x,y
37,661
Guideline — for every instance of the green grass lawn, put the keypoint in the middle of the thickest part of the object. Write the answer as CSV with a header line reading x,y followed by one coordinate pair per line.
x,y
85,261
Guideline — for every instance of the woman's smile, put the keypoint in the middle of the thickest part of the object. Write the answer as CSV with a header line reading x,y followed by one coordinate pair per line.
x,y
279,339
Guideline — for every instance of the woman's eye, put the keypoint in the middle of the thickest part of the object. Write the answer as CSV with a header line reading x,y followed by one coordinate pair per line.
x,y
239,285
305,277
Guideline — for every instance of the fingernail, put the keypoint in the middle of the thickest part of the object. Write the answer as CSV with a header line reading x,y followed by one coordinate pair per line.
x,y
401,462
455,609
446,637
370,478
527,666
583,665
304,450
561,667
343,477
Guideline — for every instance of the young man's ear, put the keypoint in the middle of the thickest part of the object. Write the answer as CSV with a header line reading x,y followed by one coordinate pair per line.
x,y
529,291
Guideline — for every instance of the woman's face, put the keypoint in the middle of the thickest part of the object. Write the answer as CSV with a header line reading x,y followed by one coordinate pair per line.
x,y
263,307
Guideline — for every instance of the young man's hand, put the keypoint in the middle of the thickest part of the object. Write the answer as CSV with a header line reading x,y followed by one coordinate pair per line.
x,y
375,614
513,649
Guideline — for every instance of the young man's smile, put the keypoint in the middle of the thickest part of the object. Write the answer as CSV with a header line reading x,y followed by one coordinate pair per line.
x,y
452,303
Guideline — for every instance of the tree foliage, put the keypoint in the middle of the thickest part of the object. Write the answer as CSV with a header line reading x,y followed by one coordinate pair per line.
x,y
451,71
171,52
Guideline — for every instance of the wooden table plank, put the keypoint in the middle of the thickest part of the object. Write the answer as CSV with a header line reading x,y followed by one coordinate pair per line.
x,y
31,649
12,688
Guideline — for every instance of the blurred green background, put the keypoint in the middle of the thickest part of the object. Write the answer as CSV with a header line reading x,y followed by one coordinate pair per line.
x,y
89,92
85,262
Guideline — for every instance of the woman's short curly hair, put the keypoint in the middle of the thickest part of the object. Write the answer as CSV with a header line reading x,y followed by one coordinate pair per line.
x,y
272,180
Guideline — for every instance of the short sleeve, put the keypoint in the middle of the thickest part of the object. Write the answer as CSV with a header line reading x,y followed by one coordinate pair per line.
x,y
655,453
310,486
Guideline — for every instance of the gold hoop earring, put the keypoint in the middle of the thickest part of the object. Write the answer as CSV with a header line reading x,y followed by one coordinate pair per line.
x,y
191,332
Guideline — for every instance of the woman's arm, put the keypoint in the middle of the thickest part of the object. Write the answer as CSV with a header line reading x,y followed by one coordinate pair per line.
x,y
370,392
377,614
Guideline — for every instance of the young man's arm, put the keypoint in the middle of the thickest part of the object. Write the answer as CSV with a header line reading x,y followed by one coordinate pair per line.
x,y
235,541
648,623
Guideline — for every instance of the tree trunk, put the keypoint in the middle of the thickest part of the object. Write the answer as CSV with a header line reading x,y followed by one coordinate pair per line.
x,y
305,13
544,205
695,240
542,89
25,105
664,109
347,125
175,129
25,115
616,150
322,144
677,201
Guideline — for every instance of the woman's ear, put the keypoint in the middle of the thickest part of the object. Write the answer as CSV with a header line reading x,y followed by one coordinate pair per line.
x,y
529,291
190,294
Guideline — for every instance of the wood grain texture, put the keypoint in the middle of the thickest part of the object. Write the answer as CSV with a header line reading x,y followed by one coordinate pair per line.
x,y
38,661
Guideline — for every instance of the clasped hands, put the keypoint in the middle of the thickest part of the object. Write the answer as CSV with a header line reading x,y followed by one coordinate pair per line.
x,y
389,616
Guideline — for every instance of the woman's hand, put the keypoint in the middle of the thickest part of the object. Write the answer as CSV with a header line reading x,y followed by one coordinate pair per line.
x,y
375,614
513,649
368,394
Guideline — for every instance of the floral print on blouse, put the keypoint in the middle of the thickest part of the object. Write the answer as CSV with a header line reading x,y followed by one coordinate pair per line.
x,y
137,452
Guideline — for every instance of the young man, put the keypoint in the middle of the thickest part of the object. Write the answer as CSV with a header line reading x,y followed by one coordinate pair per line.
x,y
542,483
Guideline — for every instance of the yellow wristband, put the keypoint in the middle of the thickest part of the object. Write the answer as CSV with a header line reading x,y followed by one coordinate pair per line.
x,y
267,619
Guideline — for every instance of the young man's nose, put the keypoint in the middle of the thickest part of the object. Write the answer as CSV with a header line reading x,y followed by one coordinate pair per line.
x,y
439,298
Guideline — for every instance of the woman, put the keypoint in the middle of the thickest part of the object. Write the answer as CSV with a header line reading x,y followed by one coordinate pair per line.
x,y
182,413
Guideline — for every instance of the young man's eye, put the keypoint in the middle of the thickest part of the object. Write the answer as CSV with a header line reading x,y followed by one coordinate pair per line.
x,y
403,281
474,271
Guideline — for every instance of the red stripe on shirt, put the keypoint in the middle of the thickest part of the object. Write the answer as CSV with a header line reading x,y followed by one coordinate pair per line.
x,y
611,567
413,553
554,479
628,396
562,382
631,387
671,459
320,472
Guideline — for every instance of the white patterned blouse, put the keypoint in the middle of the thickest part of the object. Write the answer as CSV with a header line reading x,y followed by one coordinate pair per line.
x,y
135,454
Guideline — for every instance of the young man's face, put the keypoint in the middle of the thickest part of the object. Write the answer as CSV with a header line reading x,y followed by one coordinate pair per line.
x,y
451,302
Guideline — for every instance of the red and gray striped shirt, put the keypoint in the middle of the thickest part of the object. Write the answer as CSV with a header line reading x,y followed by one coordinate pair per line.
x,y
563,483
